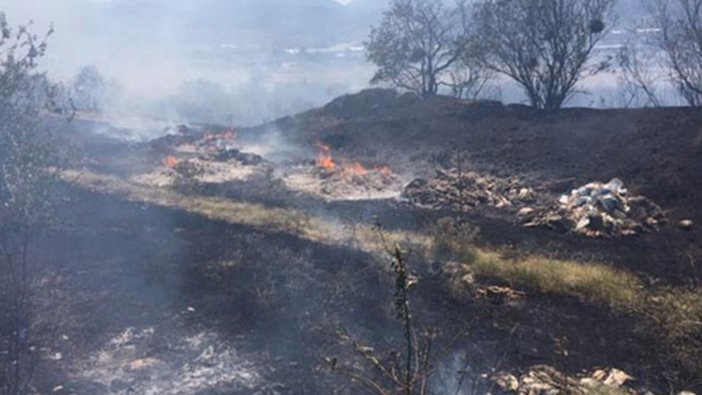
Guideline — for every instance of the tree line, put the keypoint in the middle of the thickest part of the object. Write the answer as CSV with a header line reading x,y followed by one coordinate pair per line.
x,y
546,47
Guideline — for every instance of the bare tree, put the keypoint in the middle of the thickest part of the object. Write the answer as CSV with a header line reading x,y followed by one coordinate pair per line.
x,y
637,76
680,39
417,42
544,45
28,167
468,76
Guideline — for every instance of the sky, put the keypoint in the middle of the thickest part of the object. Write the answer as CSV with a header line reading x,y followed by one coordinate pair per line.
x,y
153,45
151,48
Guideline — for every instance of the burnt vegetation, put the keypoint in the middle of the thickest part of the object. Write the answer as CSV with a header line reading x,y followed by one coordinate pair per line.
x,y
413,241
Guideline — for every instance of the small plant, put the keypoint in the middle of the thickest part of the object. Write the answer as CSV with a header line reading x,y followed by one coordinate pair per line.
x,y
405,372
454,241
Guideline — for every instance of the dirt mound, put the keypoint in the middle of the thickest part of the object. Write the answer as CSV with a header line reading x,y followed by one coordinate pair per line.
x,y
245,158
368,103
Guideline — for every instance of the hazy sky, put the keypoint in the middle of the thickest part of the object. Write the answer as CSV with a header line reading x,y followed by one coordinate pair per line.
x,y
153,45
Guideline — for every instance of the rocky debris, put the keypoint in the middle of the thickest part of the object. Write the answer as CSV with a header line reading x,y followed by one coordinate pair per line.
x,y
598,210
469,190
202,170
346,182
686,225
205,155
495,294
199,140
244,158
546,380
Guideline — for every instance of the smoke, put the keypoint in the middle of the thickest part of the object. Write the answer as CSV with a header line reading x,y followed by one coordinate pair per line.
x,y
252,60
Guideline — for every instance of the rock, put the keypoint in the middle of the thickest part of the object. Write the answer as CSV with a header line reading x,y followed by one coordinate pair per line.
x,y
617,378
599,374
525,212
245,158
144,364
686,225
506,382
466,190
607,210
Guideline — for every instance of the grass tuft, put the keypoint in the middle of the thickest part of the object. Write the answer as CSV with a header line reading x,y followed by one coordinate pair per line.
x,y
590,282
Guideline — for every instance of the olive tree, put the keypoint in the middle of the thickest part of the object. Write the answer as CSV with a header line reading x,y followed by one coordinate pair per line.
x,y
680,40
28,168
545,46
417,44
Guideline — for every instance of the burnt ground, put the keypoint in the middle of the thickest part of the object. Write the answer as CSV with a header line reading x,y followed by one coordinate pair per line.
x,y
656,152
267,303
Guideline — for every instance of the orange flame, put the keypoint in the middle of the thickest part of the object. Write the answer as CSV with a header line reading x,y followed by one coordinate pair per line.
x,y
171,161
325,159
357,168
384,170
229,134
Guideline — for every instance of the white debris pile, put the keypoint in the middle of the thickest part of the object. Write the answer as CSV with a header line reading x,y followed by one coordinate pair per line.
x,y
467,190
544,379
600,210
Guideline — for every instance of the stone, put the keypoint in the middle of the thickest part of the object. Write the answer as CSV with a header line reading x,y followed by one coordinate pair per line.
x,y
686,225
617,378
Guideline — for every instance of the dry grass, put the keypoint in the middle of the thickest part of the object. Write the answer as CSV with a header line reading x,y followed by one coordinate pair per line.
x,y
315,228
590,282
674,315
677,314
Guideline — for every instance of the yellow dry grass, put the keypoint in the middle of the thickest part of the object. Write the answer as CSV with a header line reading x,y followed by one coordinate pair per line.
x,y
314,228
590,282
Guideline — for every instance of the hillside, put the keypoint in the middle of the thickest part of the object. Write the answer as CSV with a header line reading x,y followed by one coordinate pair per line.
x,y
656,152
245,256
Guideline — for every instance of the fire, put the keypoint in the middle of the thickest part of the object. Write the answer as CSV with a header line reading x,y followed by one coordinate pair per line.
x,y
384,170
347,168
228,135
358,169
325,159
171,161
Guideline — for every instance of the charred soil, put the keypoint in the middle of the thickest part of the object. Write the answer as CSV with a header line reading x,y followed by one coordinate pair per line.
x,y
141,292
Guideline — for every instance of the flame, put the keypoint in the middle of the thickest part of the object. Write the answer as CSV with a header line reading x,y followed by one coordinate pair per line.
x,y
358,169
325,159
384,170
229,134
171,161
